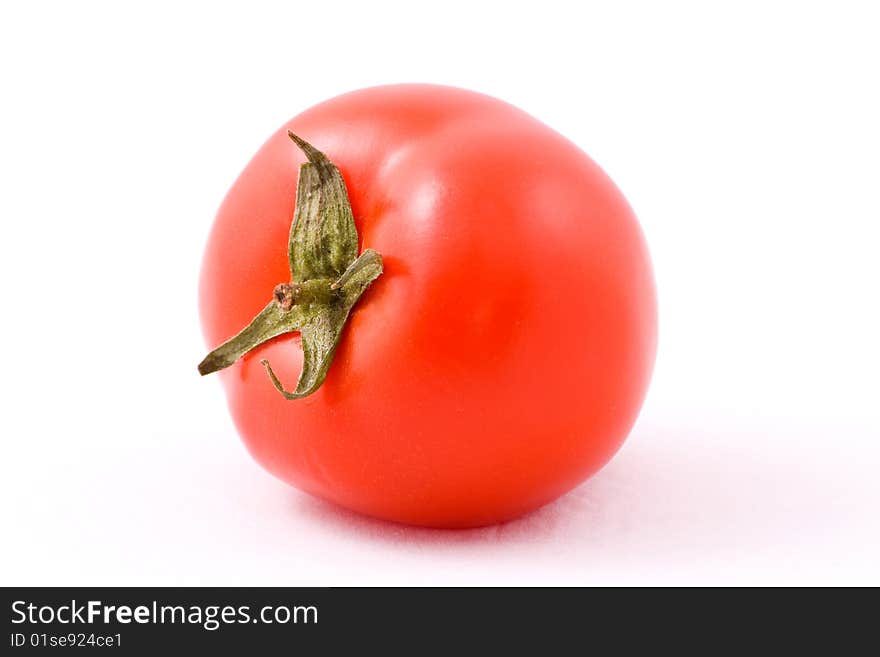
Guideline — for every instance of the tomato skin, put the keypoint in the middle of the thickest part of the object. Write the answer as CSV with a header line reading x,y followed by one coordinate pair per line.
x,y
503,355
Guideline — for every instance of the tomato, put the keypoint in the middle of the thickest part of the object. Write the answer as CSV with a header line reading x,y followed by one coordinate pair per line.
x,y
503,355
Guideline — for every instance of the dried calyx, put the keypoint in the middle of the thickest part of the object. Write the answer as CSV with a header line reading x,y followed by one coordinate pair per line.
x,y
327,278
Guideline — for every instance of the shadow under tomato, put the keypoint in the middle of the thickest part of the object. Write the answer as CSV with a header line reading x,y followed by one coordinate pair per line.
x,y
675,495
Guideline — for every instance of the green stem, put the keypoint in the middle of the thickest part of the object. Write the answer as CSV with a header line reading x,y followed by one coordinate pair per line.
x,y
327,279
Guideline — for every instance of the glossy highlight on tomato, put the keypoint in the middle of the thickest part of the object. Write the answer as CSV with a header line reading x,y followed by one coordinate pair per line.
x,y
503,355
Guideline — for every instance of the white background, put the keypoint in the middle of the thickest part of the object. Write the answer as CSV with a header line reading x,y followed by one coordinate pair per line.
x,y
745,136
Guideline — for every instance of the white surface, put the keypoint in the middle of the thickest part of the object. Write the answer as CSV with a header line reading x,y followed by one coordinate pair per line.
x,y
746,138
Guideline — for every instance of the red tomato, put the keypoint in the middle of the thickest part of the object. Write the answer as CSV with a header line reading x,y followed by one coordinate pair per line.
x,y
505,352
